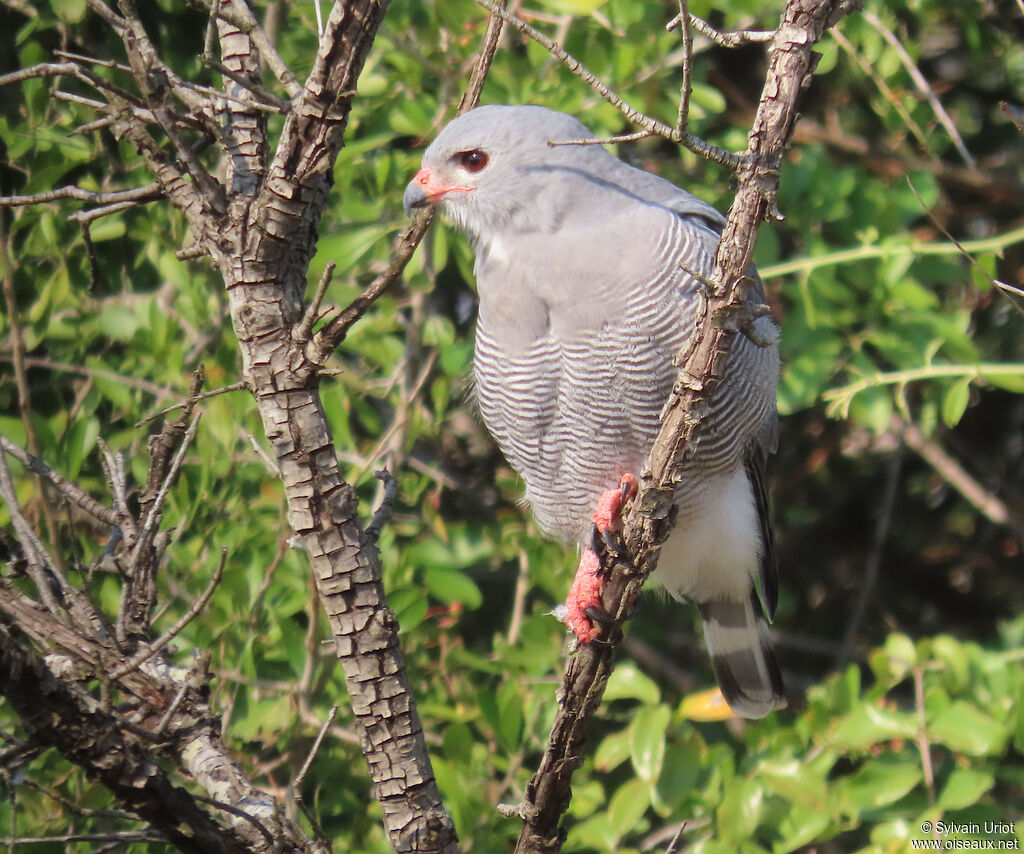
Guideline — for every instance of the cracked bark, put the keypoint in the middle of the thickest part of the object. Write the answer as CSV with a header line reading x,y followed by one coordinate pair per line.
x,y
56,717
272,235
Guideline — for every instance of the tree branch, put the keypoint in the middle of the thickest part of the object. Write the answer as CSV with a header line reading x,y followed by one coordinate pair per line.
x,y
649,521
57,718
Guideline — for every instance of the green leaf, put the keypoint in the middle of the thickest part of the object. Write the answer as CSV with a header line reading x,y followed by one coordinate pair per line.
x,y
680,771
740,810
954,402
965,728
450,586
410,607
628,805
510,716
1008,382
458,743
963,788
802,825
647,740
950,652
628,682
118,323
613,750
596,833
81,439
878,783
869,724
894,661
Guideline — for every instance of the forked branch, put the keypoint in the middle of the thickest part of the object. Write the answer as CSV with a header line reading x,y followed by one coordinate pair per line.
x,y
649,522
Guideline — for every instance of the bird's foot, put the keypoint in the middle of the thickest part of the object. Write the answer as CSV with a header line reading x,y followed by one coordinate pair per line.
x,y
584,613
610,504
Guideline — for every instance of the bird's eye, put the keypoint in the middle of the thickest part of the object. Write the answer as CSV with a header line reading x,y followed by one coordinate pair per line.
x,y
473,161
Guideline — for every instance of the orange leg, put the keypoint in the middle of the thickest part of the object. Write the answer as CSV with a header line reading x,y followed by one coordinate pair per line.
x,y
585,593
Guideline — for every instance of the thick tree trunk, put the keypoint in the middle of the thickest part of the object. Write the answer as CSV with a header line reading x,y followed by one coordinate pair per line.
x,y
264,261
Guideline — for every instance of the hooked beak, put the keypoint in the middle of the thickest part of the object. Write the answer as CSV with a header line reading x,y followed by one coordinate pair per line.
x,y
425,190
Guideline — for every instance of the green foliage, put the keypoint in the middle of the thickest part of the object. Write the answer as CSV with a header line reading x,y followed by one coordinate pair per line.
x,y
884,323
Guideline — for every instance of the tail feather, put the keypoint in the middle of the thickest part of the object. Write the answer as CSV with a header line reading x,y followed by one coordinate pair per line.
x,y
736,634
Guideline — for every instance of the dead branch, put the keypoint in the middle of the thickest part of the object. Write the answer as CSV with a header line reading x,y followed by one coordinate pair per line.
x,y
57,718
953,472
74,493
240,16
648,522
151,192
735,39
1014,115
178,627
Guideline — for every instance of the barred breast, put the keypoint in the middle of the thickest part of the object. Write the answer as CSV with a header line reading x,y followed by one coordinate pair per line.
x,y
579,405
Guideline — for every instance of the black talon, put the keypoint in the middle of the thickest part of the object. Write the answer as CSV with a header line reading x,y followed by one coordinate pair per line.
x,y
599,617
596,537
613,543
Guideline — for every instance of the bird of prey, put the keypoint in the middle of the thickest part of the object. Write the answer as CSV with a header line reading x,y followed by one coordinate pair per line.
x,y
590,275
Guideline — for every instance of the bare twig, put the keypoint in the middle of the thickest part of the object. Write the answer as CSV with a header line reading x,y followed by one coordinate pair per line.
x,y
985,502
301,332
192,400
608,140
186,618
387,504
45,69
887,93
114,21
922,85
154,511
240,16
126,837
117,477
333,333
149,193
36,558
172,710
86,371
923,746
265,101
19,360
67,488
24,7
92,60
1014,115
242,814
682,118
71,805
736,39
519,598
1005,288
211,32
471,97
296,785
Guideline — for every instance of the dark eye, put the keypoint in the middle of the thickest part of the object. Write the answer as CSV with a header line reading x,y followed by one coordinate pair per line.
x,y
472,161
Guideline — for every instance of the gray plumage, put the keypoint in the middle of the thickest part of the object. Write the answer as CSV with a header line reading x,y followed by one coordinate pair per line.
x,y
589,274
